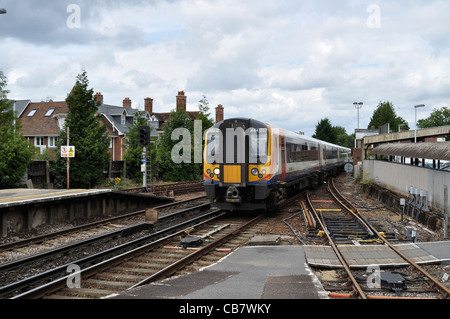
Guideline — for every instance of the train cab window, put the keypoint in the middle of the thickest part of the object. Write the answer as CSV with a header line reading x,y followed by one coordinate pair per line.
x,y
213,150
258,145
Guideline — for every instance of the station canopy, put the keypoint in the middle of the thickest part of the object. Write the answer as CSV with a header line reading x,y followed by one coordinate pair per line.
x,y
428,150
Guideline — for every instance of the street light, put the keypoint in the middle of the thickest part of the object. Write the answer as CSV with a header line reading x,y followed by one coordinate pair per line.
x,y
415,121
2,11
358,106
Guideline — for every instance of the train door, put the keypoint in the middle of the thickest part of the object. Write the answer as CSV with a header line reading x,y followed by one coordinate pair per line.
x,y
321,159
234,168
283,158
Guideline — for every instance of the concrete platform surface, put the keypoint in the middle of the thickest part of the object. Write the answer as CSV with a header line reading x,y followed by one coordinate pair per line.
x,y
21,196
250,272
365,255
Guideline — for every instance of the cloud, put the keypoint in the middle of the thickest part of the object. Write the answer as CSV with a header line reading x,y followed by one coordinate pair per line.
x,y
288,63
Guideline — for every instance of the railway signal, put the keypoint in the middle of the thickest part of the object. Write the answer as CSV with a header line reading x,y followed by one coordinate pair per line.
x,y
144,135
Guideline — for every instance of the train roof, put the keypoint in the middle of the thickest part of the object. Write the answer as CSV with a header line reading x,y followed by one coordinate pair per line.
x,y
286,132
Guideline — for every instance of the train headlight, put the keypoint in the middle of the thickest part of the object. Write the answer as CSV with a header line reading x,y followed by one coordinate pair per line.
x,y
216,171
208,171
255,171
263,172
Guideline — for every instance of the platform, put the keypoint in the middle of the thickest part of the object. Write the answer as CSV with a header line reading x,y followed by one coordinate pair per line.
x,y
365,255
22,196
250,272
24,209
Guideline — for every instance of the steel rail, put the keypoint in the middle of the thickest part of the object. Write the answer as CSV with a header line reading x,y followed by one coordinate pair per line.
x,y
341,258
57,284
90,260
171,269
439,286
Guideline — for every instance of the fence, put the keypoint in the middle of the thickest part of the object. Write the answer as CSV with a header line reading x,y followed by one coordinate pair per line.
x,y
39,175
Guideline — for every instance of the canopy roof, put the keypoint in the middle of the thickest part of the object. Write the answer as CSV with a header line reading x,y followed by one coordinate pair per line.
x,y
434,150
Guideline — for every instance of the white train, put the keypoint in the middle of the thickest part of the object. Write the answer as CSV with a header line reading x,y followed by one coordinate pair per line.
x,y
250,165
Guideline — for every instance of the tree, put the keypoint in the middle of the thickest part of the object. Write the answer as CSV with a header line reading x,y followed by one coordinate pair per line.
x,y
134,149
325,131
342,138
168,169
87,135
203,115
439,117
385,113
15,152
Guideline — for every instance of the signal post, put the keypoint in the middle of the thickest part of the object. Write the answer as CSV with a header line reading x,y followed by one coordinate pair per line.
x,y
144,141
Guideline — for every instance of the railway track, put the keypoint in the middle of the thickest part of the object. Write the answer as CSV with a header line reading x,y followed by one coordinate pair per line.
x,y
342,226
176,188
152,261
333,238
12,251
18,274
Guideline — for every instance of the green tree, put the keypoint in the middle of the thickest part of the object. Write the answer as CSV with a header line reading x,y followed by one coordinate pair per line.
x,y
385,113
342,138
15,152
134,149
87,135
439,117
204,115
168,170
325,131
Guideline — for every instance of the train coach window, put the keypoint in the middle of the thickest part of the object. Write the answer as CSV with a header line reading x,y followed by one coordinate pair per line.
x,y
213,153
258,146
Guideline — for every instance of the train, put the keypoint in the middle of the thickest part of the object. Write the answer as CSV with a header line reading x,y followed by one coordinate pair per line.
x,y
250,165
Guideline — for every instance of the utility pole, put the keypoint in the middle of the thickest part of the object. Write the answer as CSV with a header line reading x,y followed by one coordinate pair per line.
x,y
68,160
415,121
358,106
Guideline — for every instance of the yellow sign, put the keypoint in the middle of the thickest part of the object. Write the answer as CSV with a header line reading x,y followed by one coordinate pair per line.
x,y
68,151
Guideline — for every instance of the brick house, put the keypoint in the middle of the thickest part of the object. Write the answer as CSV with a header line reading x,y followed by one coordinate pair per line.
x,y
42,121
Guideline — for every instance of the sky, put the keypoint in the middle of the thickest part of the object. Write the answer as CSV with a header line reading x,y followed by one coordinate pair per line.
x,y
287,63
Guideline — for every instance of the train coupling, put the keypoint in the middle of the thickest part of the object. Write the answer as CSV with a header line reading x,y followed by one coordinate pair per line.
x,y
233,195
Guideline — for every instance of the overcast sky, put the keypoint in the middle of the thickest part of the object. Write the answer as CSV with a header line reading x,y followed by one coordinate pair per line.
x,y
288,63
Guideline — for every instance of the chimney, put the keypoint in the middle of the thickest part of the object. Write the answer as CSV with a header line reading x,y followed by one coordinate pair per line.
x,y
148,102
98,97
219,113
127,102
181,101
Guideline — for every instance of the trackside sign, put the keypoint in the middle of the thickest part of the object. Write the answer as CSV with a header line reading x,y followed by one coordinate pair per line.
x,y
68,151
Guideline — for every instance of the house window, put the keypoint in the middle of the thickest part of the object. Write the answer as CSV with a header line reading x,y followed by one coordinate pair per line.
x,y
52,141
50,112
39,141
32,112
122,119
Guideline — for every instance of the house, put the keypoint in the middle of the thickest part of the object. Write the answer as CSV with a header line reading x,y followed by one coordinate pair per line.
x,y
42,121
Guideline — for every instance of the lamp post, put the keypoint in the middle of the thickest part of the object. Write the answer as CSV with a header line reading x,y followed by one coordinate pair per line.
x,y
415,121
358,106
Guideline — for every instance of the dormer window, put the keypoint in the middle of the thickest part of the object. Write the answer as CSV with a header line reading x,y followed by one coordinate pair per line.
x,y
32,112
50,112
122,119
